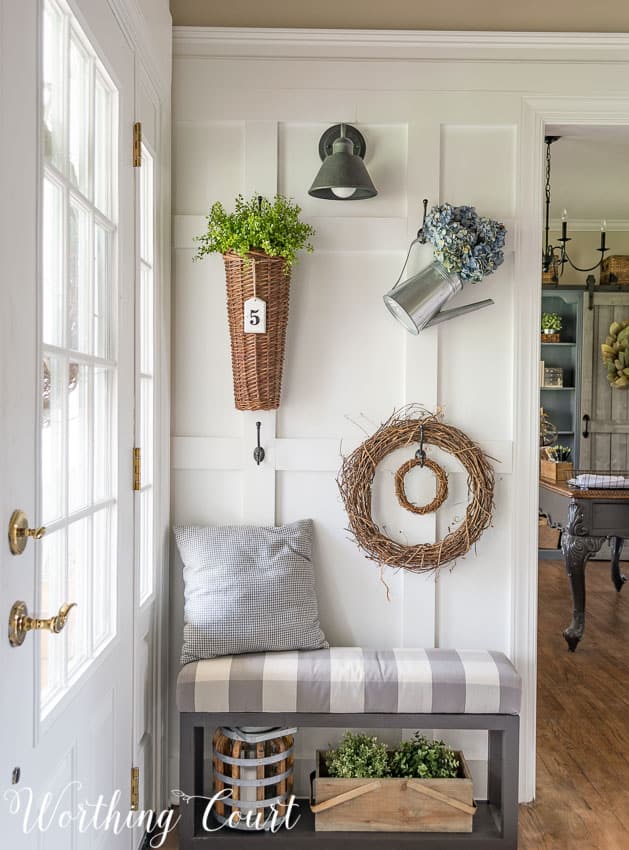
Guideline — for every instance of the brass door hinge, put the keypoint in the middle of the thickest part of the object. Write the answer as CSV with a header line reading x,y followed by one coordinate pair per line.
x,y
137,144
137,469
134,803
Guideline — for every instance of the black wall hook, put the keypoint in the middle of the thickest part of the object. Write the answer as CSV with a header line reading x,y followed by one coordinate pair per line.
x,y
420,454
258,452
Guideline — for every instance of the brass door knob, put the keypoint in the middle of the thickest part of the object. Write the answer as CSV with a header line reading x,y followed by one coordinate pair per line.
x,y
20,623
19,532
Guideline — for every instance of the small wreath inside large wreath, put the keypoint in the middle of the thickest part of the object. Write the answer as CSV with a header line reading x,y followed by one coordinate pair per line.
x,y
405,428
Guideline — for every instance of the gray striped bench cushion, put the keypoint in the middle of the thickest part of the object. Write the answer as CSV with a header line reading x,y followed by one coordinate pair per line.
x,y
354,681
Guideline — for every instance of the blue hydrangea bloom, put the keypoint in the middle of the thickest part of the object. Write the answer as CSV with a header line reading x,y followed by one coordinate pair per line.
x,y
464,242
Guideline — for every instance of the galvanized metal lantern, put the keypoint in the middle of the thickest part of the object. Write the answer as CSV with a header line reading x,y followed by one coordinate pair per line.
x,y
254,770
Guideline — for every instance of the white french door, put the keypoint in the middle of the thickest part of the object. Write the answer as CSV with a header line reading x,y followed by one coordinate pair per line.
x,y
67,418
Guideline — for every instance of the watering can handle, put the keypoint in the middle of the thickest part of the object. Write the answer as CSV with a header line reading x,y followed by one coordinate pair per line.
x,y
417,240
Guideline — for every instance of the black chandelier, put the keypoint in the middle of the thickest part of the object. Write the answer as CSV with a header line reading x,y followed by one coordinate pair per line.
x,y
555,257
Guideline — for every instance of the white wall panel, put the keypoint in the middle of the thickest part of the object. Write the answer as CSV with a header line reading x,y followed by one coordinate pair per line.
x,y
202,384
353,605
338,296
199,179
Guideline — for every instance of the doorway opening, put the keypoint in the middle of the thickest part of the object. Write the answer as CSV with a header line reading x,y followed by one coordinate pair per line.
x,y
583,484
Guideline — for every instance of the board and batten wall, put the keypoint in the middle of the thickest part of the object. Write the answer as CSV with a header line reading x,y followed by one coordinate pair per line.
x,y
248,111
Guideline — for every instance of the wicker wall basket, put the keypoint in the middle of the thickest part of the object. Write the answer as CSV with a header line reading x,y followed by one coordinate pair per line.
x,y
257,358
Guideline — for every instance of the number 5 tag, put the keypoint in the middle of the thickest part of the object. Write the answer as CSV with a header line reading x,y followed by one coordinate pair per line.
x,y
255,316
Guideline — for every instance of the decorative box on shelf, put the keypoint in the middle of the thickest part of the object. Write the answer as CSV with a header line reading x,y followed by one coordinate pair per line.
x,y
392,805
615,269
554,337
556,471
553,376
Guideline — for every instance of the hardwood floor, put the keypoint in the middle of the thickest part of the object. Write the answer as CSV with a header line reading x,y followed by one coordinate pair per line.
x,y
583,736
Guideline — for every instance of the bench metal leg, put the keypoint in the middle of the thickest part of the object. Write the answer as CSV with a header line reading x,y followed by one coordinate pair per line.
x,y
503,778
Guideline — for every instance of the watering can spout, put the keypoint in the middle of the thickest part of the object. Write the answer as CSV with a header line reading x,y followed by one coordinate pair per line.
x,y
446,315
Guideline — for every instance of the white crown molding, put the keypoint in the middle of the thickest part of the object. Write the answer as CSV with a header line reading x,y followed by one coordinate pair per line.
x,y
591,224
399,45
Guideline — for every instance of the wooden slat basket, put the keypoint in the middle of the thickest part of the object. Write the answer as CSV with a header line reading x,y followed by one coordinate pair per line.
x,y
556,471
257,358
615,269
257,769
392,805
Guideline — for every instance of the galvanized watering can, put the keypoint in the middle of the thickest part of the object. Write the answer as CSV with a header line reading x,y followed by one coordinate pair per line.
x,y
418,301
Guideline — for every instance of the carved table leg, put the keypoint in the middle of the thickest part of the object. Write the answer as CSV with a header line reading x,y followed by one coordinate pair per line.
x,y
577,547
616,544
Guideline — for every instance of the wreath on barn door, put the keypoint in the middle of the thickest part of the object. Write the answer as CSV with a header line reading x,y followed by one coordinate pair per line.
x,y
407,427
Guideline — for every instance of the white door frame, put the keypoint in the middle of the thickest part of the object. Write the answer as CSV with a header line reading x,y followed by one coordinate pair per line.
x,y
537,113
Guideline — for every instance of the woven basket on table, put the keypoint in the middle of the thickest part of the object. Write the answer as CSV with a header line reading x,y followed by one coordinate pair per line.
x,y
257,359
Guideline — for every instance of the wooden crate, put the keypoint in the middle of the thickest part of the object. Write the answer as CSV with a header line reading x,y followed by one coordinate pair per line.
x,y
392,805
615,269
556,472
550,337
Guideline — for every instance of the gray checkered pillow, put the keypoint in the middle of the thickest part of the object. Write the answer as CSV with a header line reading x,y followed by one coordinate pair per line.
x,y
248,589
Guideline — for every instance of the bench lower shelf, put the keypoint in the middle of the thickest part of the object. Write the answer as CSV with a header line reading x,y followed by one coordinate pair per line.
x,y
486,834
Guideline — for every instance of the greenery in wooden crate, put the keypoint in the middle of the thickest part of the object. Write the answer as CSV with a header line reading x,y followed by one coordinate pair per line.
x,y
358,756
361,756
421,758
257,224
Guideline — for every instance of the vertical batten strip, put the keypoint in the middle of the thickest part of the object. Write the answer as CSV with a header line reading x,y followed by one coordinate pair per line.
x,y
258,482
421,372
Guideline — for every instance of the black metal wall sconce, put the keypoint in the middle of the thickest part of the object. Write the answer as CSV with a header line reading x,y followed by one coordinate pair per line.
x,y
343,175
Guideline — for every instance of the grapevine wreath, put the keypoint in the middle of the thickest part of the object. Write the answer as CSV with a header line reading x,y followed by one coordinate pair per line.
x,y
407,427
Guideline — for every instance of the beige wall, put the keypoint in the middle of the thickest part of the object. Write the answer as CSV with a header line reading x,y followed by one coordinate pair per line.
x,y
531,15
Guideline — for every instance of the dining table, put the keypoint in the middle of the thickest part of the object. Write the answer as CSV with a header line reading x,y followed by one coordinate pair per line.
x,y
587,517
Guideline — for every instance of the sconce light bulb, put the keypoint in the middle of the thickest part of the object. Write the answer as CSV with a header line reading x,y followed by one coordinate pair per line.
x,y
564,215
343,191
604,226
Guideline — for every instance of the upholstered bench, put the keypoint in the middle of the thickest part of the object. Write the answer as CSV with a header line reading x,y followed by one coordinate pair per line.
x,y
349,688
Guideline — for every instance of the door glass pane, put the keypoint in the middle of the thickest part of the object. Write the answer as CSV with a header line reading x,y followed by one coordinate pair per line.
x,y
79,591
79,114
103,143
79,409
146,534
103,578
104,475
79,444
51,590
145,410
79,262
52,262
52,438
53,85
103,293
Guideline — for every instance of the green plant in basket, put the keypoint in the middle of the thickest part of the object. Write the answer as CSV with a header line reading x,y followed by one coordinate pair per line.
x,y
358,756
257,224
551,322
421,758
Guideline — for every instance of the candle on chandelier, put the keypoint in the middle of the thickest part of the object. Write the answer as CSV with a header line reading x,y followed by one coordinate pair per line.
x,y
564,224
603,235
